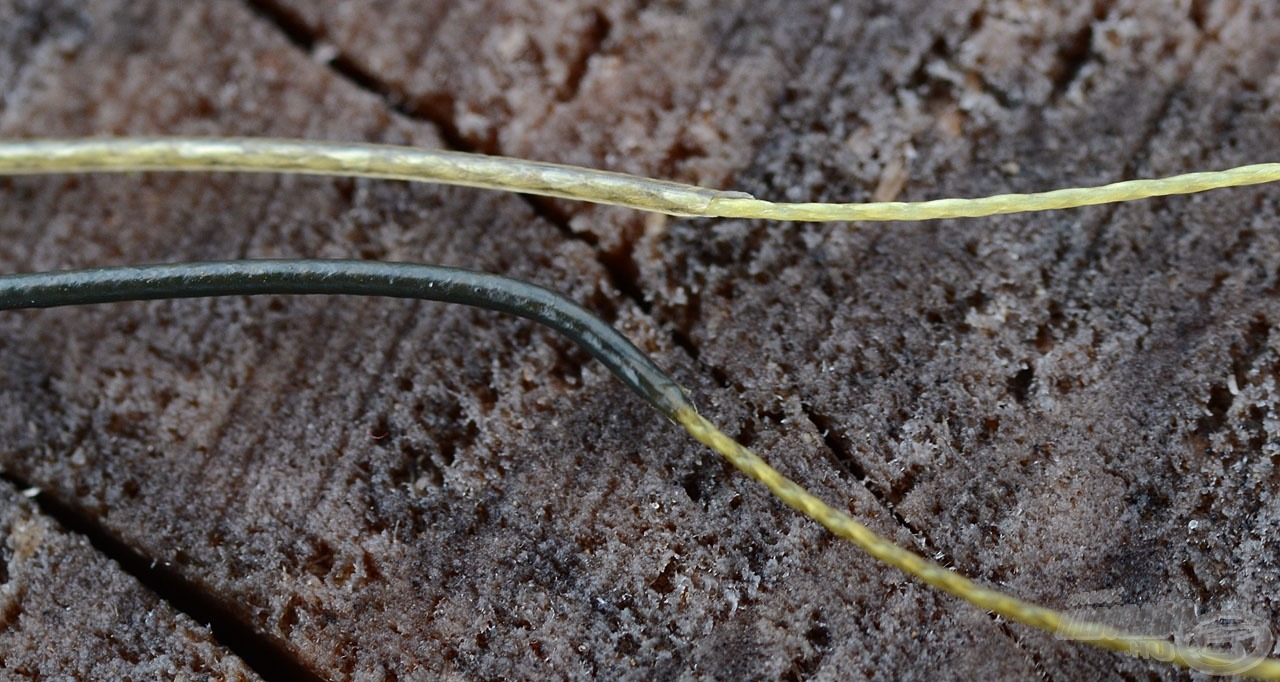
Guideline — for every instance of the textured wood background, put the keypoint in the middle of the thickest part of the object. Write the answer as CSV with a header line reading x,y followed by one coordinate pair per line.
x,y
1064,405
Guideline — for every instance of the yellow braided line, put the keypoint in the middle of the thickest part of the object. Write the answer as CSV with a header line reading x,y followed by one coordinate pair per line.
x,y
929,572
259,155
1074,197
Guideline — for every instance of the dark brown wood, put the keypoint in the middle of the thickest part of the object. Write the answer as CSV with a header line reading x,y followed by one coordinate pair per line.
x,y
67,611
1073,406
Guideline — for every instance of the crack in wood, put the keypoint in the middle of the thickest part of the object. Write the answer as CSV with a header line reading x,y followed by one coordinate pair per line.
x,y
269,658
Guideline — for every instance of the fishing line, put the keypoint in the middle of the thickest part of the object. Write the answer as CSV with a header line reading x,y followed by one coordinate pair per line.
x,y
93,155
619,355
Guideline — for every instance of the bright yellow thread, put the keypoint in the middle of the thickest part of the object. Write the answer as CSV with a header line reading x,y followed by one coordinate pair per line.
x,y
531,177
840,523
1073,197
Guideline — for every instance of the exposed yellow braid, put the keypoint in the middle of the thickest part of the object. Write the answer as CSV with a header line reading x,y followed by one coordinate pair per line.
x,y
1074,197
260,155
986,598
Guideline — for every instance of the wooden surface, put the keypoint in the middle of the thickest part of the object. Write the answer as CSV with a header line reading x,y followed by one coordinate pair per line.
x,y
1065,405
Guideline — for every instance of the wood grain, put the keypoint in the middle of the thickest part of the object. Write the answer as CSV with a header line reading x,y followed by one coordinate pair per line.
x,y
1068,405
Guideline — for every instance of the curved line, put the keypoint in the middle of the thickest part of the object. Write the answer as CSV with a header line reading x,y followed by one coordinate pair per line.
x,y
629,364
360,278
